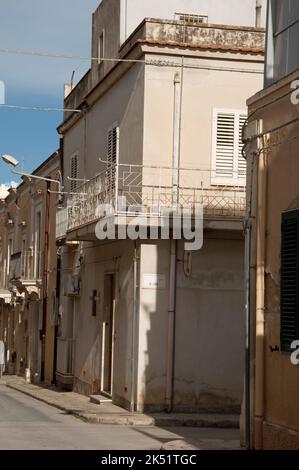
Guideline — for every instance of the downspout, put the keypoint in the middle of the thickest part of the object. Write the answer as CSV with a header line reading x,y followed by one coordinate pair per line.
x,y
31,273
58,281
249,280
176,136
173,243
45,283
171,327
260,299
134,330
247,333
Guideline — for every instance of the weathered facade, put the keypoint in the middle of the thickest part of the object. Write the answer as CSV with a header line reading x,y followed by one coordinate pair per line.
x,y
28,274
272,234
145,321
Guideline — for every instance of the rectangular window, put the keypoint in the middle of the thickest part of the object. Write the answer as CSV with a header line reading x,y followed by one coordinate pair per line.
x,y
289,286
112,156
101,47
228,163
74,172
282,37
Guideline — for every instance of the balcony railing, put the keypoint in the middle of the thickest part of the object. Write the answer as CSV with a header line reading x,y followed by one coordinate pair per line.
x,y
65,356
150,189
61,223
25,266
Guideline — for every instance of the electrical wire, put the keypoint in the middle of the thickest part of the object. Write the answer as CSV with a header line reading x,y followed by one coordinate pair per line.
x,y
39,108
155,62
66,56
160,63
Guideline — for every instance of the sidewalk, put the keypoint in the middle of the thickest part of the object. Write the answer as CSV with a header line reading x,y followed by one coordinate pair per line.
x,y
107,413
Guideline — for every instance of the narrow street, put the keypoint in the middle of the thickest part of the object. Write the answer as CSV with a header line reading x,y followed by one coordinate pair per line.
x,y
27,424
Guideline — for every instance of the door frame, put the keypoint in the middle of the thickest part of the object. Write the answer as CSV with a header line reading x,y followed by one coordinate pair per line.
x,y
108,393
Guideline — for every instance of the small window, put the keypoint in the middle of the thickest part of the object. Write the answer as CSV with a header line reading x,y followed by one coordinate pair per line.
x,y
74,172
112,155
289,285
191,19
228,163
101,48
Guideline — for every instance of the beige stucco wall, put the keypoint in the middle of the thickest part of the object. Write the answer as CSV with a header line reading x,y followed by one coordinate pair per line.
x,y
209,341
98,260
142,101
122,104
20,206
281,377
202,91
215,307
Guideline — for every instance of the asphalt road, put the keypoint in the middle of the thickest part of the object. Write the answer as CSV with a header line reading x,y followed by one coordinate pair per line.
x,y
27,424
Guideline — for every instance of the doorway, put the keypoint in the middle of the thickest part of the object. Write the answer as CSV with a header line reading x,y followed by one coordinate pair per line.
x,y
108,335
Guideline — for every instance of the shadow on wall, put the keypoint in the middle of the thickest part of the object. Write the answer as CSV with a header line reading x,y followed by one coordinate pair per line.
x,y
209,331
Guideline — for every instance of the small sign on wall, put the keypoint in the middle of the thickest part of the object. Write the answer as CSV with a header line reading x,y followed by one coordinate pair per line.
x,y
154,281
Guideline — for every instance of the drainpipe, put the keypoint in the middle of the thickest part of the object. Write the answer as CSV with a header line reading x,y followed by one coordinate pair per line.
x,y
176,136
247,395
171,327
134,329
250,278
260,300
45,283
258,14
173,244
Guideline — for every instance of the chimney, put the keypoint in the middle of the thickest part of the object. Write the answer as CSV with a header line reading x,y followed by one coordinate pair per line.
x,y
258,14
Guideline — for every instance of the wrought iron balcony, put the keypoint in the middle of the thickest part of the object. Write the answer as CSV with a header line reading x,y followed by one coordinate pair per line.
x,y
149,190
61,223
24,272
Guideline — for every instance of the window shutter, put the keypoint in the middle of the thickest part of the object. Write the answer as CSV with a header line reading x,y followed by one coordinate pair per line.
x,y
242,164
74,172
112,156
229,165
289,326
225,144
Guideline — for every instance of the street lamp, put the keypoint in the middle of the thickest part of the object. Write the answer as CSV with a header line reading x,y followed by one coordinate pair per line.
x,y
10,160
13,162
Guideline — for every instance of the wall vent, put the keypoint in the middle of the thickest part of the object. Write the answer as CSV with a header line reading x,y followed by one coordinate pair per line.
x,y
191,19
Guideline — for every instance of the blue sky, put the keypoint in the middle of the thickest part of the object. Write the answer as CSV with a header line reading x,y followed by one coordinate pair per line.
x,y
57,26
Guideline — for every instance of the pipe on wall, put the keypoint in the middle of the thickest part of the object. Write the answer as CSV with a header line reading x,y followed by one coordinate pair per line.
x,y
247,336
176,135
134,330
260,301
177,117
171,326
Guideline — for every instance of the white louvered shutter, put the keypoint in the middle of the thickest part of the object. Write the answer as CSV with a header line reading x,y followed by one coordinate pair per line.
x,y
112,155
225,145
241,159
229,166
74,172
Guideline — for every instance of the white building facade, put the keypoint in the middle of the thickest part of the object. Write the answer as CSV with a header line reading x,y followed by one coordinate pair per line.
x,y
145,321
